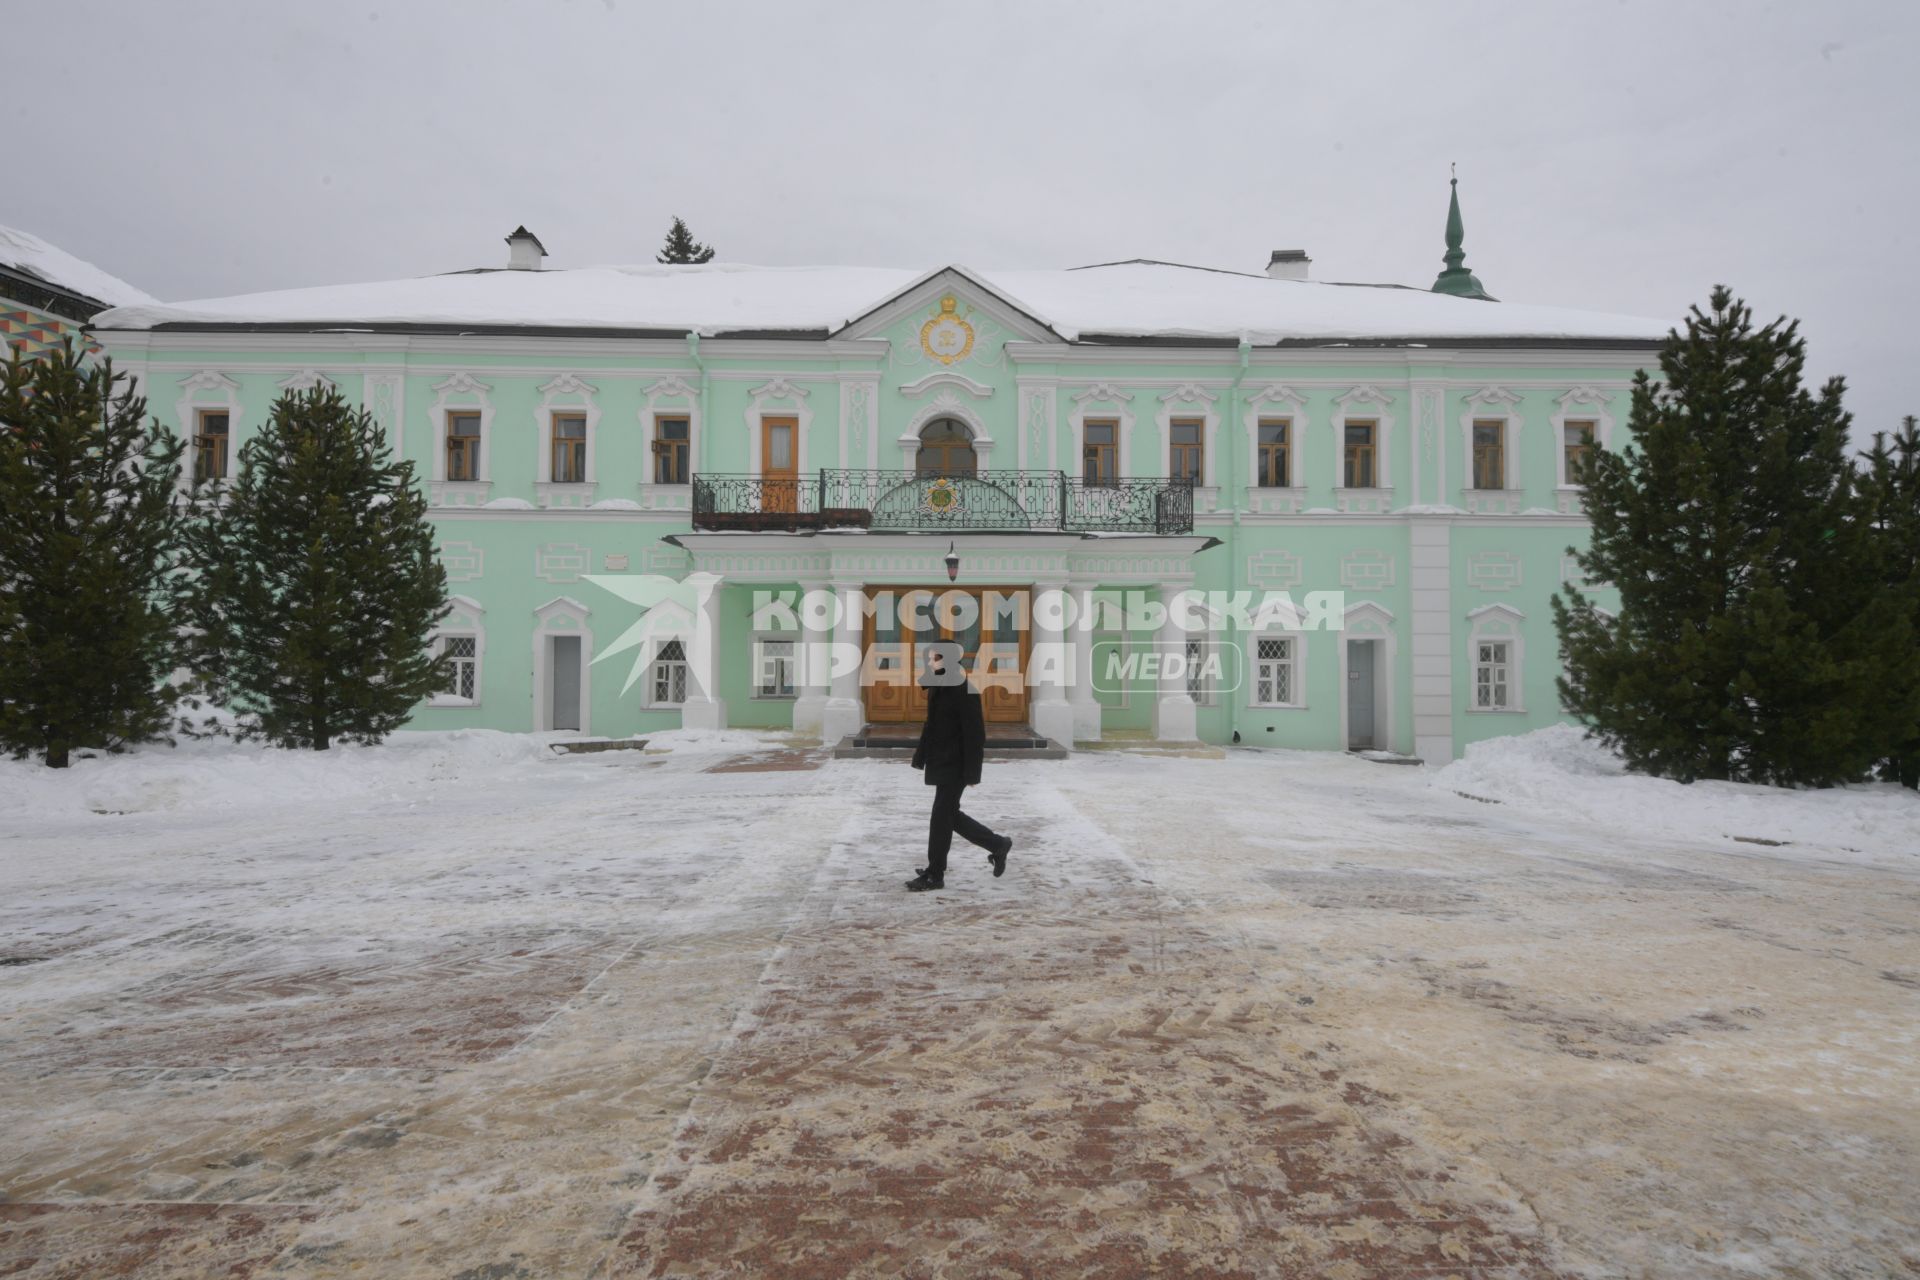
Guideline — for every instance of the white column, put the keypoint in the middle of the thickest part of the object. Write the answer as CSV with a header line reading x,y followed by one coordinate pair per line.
x,y
704,708
843,713
1174,718
1052,663
810,708
1432,630
1086,708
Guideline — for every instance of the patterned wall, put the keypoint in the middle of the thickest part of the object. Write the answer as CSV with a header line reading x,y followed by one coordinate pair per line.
x,y
35,332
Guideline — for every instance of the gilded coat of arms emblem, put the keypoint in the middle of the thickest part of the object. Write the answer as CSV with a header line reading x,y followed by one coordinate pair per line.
x,y
947,337
941,498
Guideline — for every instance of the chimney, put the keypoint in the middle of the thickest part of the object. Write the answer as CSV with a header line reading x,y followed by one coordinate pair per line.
x,y
1288,264
524,250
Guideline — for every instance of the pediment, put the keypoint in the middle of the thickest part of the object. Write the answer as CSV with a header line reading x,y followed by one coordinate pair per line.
x,y
968,291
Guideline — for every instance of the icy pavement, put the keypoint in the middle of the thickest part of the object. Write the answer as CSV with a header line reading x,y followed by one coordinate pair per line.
x,y
460,1008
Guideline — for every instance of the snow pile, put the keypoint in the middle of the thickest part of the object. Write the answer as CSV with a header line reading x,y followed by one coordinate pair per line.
x,y
220,775
1559,773
28,254
1125,299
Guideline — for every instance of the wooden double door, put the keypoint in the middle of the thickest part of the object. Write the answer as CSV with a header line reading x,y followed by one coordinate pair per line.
x,y
991,625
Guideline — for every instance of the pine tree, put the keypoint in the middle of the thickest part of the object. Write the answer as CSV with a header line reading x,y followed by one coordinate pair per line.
x,y
316,589
1892,494
682,248
90,509
1748,644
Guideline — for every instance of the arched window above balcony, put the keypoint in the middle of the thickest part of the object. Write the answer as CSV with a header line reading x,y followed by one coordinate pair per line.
x,y
946,449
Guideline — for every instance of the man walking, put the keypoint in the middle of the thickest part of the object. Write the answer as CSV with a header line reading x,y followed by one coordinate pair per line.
x,y
952,744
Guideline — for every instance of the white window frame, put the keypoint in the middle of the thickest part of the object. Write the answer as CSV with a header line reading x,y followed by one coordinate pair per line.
x,y
1580,404
1497,624
451,698
1204,691
655,439
674,397
658,660
1277,400
1364,404
1102,401
208,389
760,658
461,393
465,620
1191,402
565,396
1296,680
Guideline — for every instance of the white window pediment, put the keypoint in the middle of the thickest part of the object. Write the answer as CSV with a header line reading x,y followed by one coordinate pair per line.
x,y
461,392
562,394
948,379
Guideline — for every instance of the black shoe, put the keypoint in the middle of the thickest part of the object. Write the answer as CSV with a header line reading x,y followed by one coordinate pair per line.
x,y
923,882
999,859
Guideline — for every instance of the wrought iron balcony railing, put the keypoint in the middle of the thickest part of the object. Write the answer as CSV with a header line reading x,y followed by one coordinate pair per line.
x,y
990,500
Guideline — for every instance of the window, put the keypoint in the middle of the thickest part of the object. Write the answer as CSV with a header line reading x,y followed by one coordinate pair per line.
x,y
1100,451
1362,470
946,449
1275,675
463,674
1275,465
569,448
1577,439
1199,682
1186,460
773,668
463,446
1489,453
670,438
210,439
668,676
1492,675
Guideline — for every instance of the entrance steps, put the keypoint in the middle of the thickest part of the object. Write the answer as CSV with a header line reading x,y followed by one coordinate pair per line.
x,y
897,741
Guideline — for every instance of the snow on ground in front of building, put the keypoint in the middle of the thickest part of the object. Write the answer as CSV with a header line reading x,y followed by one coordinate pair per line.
x,y
1560,773
462,1004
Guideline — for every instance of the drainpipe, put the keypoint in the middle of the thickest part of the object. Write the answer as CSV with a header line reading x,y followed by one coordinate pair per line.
x,y
693,354
1231,474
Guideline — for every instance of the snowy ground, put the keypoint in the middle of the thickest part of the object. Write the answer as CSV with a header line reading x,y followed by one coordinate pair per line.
x,y
459,1007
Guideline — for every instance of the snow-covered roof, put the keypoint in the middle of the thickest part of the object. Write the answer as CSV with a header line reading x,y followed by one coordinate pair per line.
x,y
1127,299
29,255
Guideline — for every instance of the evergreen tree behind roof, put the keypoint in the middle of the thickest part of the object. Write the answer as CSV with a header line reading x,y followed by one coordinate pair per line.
x,y
682,249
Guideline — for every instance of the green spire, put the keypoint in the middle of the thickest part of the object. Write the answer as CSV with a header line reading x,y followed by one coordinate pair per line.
x,y
1456,279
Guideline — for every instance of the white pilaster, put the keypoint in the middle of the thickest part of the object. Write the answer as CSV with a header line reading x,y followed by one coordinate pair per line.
x,y
1430,579
815,675
1086,708
1174,717
843,713
1053,662
704,708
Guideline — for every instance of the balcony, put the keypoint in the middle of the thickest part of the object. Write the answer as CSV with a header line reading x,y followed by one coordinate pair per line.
x,y
992,501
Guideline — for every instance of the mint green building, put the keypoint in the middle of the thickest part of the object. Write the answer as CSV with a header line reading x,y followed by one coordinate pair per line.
x,y
1127,430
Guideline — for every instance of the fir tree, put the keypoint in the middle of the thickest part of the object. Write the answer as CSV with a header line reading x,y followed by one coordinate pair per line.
x,y
682,248
1892,495
1748,644
316,589
89,518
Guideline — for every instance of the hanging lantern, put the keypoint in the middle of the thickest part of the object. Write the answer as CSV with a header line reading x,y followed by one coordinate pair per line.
x,y
952,562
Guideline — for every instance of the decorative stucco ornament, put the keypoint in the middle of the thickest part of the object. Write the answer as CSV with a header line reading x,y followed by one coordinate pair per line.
x,y
948,337
941,498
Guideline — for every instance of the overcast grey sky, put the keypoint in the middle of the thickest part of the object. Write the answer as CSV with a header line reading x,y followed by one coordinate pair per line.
x,y
1616,156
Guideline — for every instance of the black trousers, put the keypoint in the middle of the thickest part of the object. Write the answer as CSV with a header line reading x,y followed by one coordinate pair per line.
x,y
948,819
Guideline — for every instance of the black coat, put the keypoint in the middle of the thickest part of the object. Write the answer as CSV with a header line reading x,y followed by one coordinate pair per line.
x,y
954,740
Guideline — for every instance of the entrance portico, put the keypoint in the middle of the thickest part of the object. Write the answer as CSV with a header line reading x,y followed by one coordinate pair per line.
x,y
1019,608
